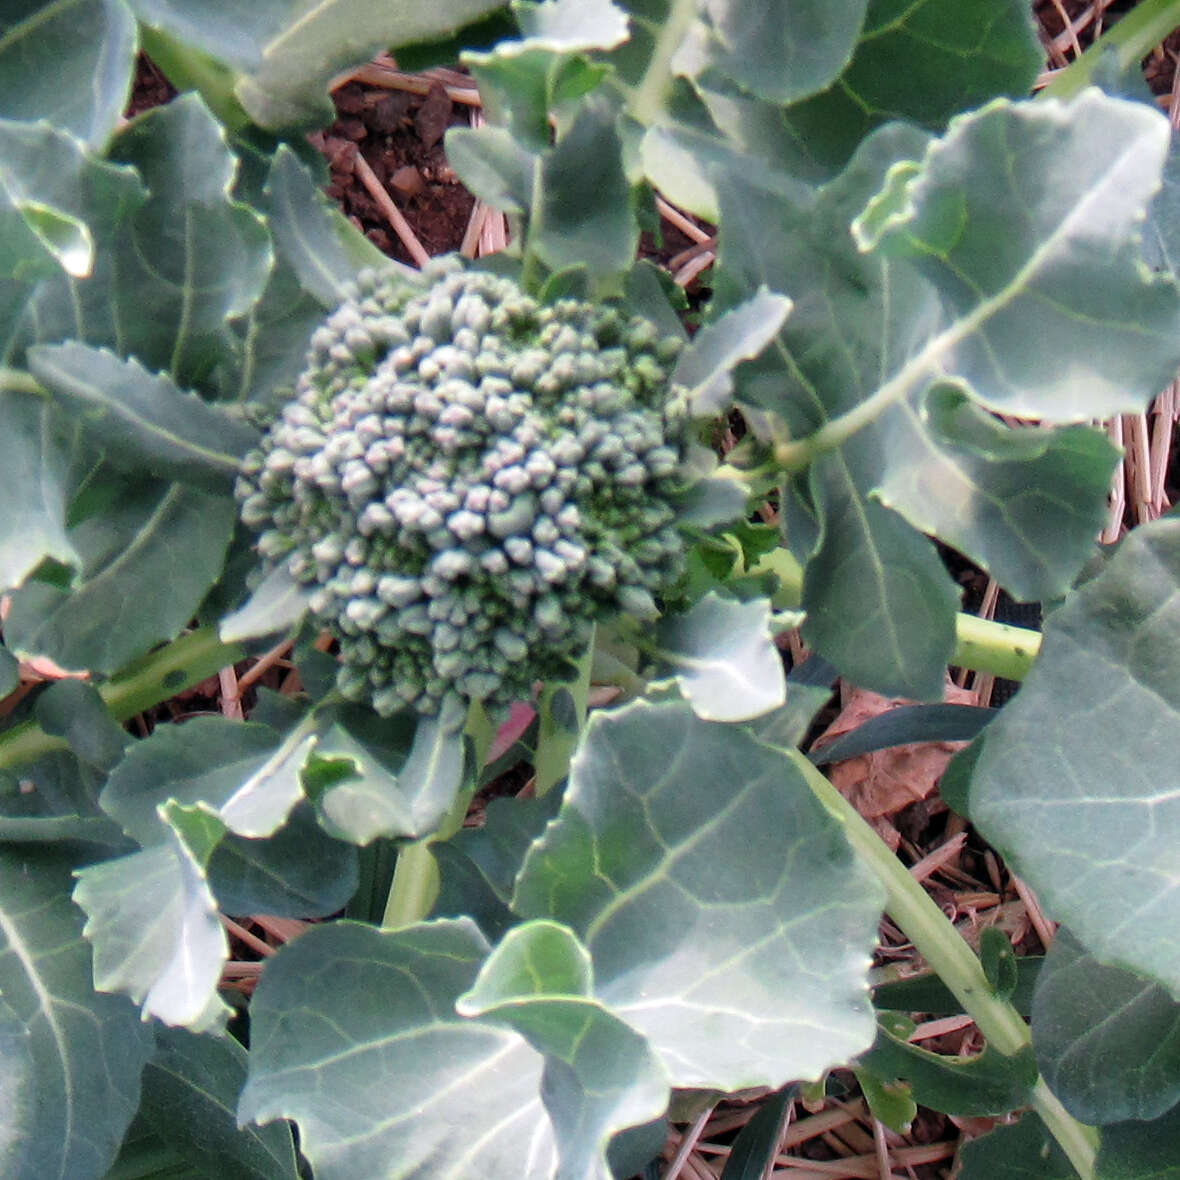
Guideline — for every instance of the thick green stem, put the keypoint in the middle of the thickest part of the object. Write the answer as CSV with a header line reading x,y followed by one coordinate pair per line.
x,y
415,884
936,939
154,678
1133,38
557,735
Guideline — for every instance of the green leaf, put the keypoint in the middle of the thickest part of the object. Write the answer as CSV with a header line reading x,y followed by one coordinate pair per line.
x,y
35,451
142,421
313,44
1010,244
969,1087
74,710
153,922
781,50
493,165
1141,1151
1107,1040
725,659
880,605
586,212
927,993
156,535
222,28
1076,782
324,247
1021,1151
372,801
904,725
9,672
403,1070
85,1051
600,1076
758,1141
299,872
566,26
277,604
205,760
69,63
675,833
190,1093
955,57
740,334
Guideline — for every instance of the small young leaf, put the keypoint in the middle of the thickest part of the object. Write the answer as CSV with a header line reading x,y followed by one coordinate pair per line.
x,y
493,166
277,604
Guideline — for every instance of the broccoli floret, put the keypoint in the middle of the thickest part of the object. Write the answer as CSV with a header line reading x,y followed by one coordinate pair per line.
x,y
467,479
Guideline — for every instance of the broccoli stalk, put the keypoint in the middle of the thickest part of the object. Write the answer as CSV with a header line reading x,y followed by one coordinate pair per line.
x,y
467,480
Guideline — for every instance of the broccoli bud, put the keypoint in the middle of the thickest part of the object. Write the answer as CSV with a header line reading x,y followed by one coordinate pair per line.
x,y
467,479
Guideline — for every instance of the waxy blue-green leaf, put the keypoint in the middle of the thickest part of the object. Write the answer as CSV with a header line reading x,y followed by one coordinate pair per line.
x,y
69,62
494,166
191,1087
1136,1150
143,421
9,672
299,872
740,334
880,604
264,798
724,658
600,1075
205,760
371,800
956,56
1012,247
85,1050
1077,780
567,26
74,710
324,247
383,1074
676,833
781,50
278,603
35,451
233,34
315,42
1107,1040
155,535
153,923
1021,1151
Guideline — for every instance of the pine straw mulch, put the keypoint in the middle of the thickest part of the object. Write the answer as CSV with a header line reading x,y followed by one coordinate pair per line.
x,y
389,174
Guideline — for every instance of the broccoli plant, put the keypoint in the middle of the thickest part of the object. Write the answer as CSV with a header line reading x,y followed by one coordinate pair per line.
x,y
465,495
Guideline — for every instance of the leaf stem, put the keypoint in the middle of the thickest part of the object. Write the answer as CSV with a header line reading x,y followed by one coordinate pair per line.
x,y
154,678
937,940
1133,38
647,100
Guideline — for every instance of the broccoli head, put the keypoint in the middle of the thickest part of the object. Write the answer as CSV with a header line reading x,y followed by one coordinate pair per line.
x,y
466,479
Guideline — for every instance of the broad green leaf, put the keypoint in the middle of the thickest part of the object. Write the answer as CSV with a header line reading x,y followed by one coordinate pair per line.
x,y
1107,1040
68,62
757,1143
142,420
85,1050
1023,1151
566,26
74,710
35,452
493,165
324,247
955,57
600,1076
316,41
277,604
156,535
1077,779
190,1093
676,833
880,605
1141,1151
986,1084
403,1070
299,872
586,213
740,334
225,29
724,657
781,50
1011,246
205,760
153,922
372,801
